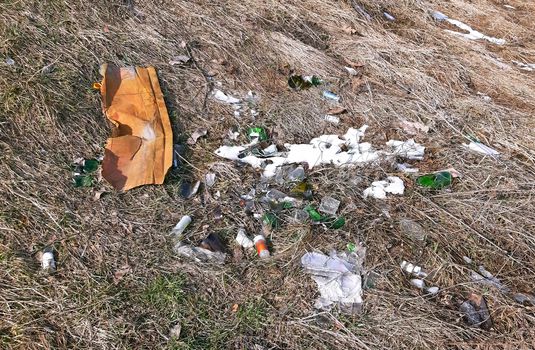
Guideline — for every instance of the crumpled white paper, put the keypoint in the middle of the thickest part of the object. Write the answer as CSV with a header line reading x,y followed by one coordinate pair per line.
x,y
379,189
338,277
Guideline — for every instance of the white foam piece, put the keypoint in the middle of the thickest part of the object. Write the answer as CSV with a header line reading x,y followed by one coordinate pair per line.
x,y
379,189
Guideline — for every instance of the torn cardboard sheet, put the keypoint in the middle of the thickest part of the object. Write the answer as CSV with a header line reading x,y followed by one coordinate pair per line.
x,y
140,149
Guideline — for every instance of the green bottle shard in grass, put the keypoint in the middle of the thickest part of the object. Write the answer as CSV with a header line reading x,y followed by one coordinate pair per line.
x,y
435,181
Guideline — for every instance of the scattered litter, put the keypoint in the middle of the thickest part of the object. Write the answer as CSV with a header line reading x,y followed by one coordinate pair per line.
x,y
331,119
351,71
484,97
338,277
331,95
83,174
243,239
413,128
233,135
406,168
329,205
140,150
435,181
261,247
412,229
209,179
525,66
213,243
257,134
179,151
10,61
187,190
439,16
379,189
471,35
418,283
509,7
326,149
413,270
199,254
481,148
487,278
222,97
361,10
389,16
298,82
524,299
432,290
475,312
98,194
48,263
174,333
179,60
407,149
178,230
196,135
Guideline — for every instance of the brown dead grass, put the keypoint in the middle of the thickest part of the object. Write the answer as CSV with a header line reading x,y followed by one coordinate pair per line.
x,y
413,70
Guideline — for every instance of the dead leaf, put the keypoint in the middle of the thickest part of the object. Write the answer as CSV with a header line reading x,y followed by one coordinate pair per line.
x,y
178,60
349,30
121,272
196,135
175,331
353,64
336,111
356,84
98,194
235,307
413,128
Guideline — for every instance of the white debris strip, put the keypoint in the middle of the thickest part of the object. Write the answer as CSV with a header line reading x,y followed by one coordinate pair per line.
x,y
221,96
406,168
407,149
471,35
530,67
338,277
325,149
379,189
331,119
243,240
481,148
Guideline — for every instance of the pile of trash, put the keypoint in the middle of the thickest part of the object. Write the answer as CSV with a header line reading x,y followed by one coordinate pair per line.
x,y
140,151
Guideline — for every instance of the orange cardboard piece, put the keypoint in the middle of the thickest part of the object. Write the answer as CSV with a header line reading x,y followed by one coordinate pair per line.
x,y
140,149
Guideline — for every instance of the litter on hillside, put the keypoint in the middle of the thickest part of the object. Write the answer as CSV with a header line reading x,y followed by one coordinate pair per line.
x,y
435,181
298,82
379,189
481,148
471,35
325,149
530,67
338,277
48,262
475,312
140,150
222,97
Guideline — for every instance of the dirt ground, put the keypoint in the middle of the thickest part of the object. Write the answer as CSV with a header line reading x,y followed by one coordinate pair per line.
x,y
118,284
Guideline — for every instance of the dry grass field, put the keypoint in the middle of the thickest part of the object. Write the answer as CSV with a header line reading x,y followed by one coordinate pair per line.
x,y
118,284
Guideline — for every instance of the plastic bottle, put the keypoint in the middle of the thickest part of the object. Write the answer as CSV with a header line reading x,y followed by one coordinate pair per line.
x,y
261,247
